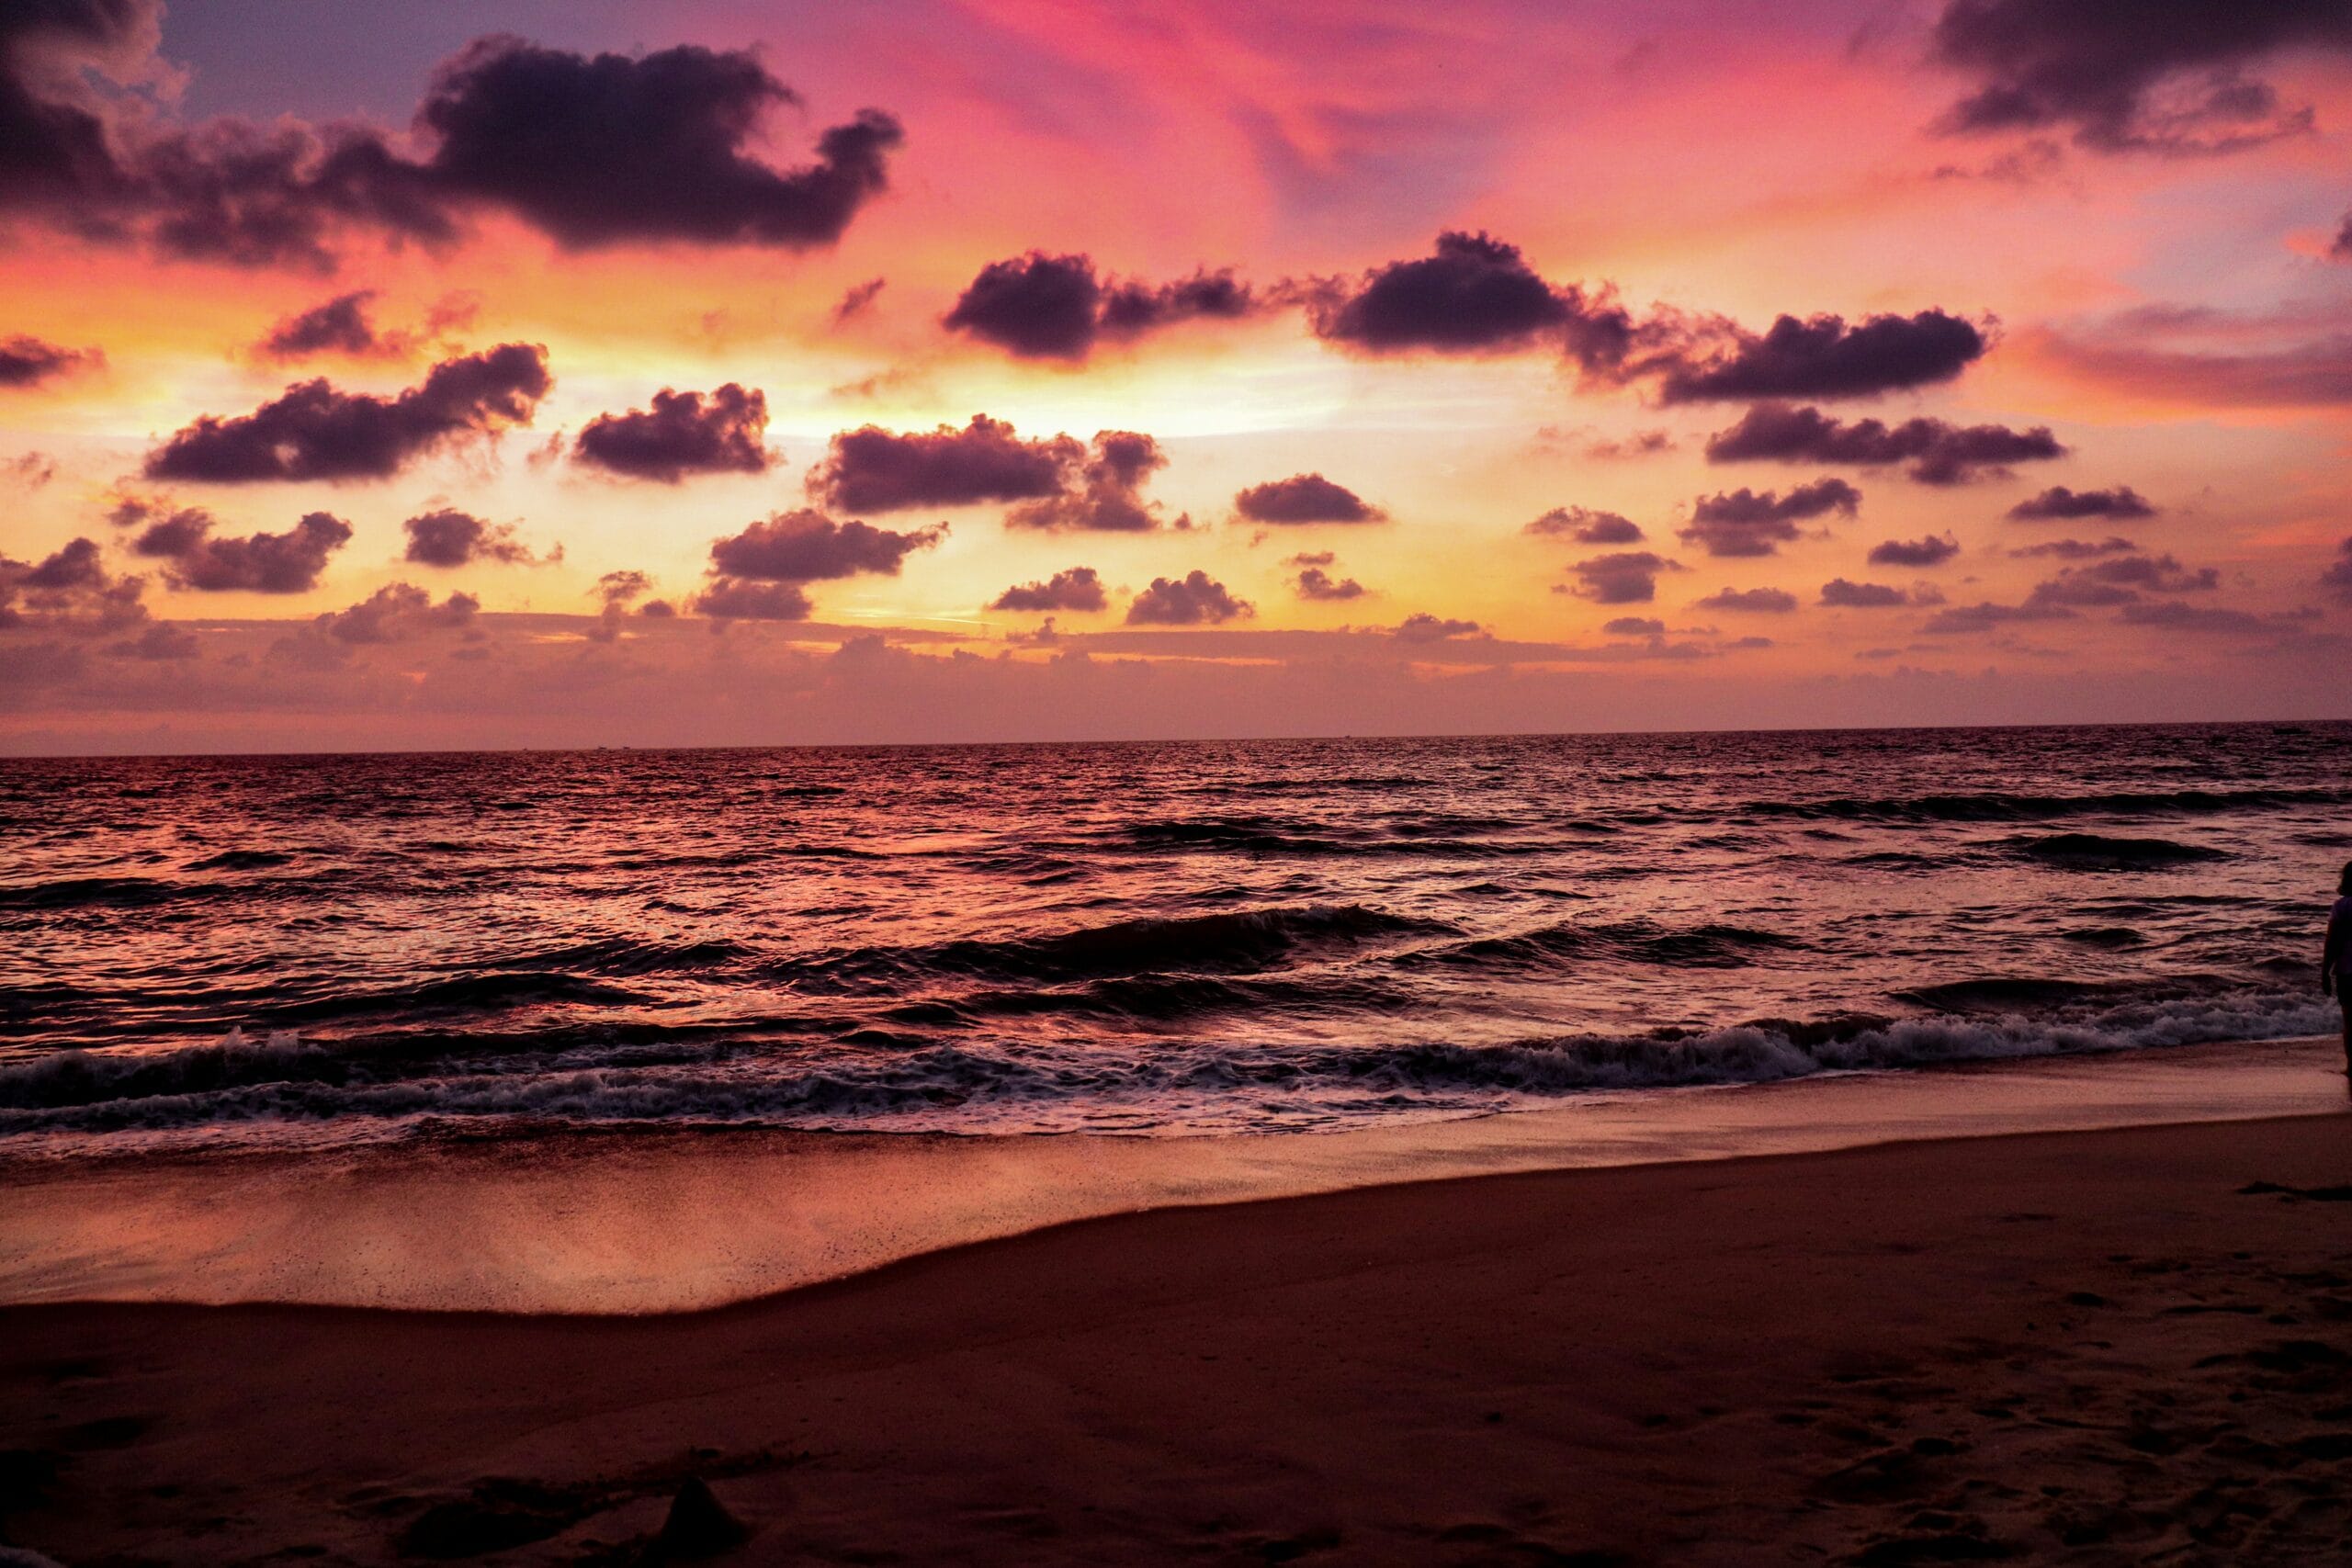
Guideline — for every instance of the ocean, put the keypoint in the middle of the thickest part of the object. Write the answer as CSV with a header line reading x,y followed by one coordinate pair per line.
x,y
1162,940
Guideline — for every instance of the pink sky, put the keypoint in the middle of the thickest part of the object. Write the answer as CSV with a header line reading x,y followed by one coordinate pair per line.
x,y
2056,430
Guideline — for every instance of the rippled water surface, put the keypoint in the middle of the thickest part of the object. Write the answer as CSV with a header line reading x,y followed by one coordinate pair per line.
x,y
1142,938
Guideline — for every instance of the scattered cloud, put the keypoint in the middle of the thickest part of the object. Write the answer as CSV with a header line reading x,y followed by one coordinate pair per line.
x,y
28,361
873,470
2121,579
1587,526
857,300
591,150
1624,577
1304,498
1938,452
398,611
1422,626
449,539
2337,579
69,591
2124,80
1315,583
682,433
1825,357
1474,294
1988,617
1194,599
315,431
2060,505
1055,307
199,559
1746,523
808,546
1840,594
2077,549
1933,550
1079,587
1754,601
1107,496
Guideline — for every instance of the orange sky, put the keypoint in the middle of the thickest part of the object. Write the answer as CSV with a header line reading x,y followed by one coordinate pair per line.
x,y
2171,313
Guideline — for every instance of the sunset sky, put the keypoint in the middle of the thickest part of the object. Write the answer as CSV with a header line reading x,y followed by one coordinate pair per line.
x,y
519,372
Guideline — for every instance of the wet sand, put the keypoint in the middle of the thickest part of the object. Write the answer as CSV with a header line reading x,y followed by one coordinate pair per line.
x,y
643,1220
2094,1347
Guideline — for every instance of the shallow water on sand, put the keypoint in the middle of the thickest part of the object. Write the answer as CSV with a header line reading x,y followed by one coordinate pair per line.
x,y
1182,938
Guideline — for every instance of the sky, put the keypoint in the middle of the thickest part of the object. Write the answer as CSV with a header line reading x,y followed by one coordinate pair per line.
x,y
720,372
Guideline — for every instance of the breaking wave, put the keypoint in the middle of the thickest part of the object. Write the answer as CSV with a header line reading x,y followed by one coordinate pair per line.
x,y
1002,1089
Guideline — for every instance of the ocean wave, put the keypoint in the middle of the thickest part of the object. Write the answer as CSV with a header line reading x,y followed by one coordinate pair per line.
x,y
1002,1089
2094,852
2008,806
1237,942
1623,941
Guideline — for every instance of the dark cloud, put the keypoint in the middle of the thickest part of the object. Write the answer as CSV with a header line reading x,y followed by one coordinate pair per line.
x,y
1988,617
1076,589
69,591
1194,599
2168,77
291,562
161,641
339,326
1624,577
622,587
1938,452
1840,594
1035,307
1422,626
681,434
619,590
2338,578
591,150
1635,625
733,599
1587,526
1825,357
873,470
614,149
1304,498
451,539
2058,503
808,547
857,300
31,469
28,361
1764,601
1932,550
315,431
1314,582
1108,497
1743,523
2077,549
1131,308
2121,579
1474,293
397,612
1640,444
2171,614
1055,307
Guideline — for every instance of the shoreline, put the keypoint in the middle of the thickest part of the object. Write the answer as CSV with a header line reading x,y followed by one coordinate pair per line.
x,y
654,1221
2125,1344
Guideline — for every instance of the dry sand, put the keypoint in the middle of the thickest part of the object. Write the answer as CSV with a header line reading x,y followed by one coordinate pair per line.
x,y
2081,1346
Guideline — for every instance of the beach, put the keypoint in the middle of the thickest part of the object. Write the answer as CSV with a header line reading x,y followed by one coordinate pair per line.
x,y
2128,1344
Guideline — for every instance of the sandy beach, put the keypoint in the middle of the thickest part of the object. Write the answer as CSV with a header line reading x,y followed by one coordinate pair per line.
x,y
2120,1345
